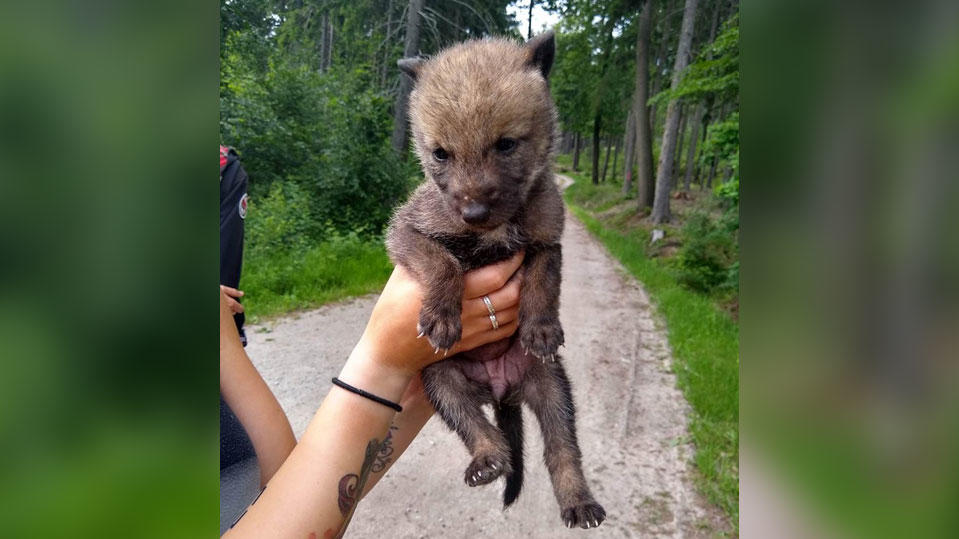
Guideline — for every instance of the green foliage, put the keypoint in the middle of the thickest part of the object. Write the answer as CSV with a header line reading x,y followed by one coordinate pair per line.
x,y
728,192
343,265
707,254
714,76
594,67
722,143
280,222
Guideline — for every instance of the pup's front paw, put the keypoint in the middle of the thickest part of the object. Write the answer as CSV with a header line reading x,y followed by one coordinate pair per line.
x,y
542,337
586,515
441,325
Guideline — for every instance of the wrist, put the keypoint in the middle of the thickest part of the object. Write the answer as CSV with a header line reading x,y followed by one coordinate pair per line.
x,y
367,369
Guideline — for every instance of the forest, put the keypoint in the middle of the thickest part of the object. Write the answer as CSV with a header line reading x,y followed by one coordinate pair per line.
x,y
647,94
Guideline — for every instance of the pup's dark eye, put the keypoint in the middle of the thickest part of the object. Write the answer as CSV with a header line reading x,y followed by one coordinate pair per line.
x,y
440,154
505,145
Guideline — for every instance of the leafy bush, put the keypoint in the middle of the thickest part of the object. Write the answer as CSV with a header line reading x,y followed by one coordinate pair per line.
x,y
280,222
326,133
707,255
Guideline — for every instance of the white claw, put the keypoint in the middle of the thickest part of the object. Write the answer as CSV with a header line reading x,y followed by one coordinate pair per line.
x,y
595,523
569,524
437,351
525,351
420,336
493,466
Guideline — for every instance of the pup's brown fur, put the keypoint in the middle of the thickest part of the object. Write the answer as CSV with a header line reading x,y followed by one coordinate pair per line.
x,y
484,128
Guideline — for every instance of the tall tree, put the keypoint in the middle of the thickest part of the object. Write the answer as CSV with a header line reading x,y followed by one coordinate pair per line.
x,y
529,29
609,146
576,148
400,139
699,111
644,135
629,150
684,115
664,175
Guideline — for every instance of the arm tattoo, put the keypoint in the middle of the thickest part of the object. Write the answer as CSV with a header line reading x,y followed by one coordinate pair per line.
x,y
383,458
351,485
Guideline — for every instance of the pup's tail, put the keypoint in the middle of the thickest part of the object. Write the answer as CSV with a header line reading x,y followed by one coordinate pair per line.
x,y
509,418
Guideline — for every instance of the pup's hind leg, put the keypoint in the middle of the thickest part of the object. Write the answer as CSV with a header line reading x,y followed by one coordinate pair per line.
x,y
547,391
458,400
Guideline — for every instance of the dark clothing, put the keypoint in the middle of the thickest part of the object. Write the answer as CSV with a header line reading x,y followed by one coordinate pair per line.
x,y
235,444
233,204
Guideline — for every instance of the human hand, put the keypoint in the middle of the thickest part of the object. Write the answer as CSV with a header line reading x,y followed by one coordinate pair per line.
x,y
390,339
231,294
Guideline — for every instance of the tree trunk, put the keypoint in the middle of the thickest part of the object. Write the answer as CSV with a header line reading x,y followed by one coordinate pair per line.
x,y
384,67
644,135
682,140
629,150
322,48
609,146
329,45
664,176
701,114
712,172
657,79
615,157
597,129
576,147
691,154
400,139
529,31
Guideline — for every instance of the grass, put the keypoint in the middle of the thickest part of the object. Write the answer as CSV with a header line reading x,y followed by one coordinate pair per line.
x,y
704,339
277,282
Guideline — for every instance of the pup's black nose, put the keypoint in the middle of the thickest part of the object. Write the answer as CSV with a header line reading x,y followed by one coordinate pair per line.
x,y
475,213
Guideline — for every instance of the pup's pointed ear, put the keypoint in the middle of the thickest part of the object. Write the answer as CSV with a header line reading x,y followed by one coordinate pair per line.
x,y
541,50
411,66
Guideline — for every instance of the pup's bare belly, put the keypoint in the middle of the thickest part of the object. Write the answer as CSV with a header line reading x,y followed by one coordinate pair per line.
x,y
501,365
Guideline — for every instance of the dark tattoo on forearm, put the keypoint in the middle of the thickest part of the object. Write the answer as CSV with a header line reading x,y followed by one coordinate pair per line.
x,y
384,456
351,485
347,492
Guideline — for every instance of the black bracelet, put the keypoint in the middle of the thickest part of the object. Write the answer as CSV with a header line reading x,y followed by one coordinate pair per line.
x,y
372,397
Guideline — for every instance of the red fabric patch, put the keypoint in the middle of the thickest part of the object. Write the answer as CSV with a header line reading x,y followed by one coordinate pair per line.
x,y
223,153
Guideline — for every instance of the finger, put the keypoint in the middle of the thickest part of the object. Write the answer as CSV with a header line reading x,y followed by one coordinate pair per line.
x,y
235,306
486,337
504,298
482,281
482,323
232,291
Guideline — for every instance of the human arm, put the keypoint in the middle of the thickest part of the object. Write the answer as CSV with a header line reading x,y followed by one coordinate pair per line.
x,y
247,394
315,491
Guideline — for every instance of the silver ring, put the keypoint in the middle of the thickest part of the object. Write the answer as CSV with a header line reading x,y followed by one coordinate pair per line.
x,y
489,307
492,318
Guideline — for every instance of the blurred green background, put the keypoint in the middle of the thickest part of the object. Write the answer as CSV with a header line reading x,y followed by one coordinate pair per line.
x,y
849,306
108,121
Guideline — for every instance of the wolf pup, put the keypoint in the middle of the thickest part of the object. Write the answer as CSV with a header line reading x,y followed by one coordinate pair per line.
x,y
484,125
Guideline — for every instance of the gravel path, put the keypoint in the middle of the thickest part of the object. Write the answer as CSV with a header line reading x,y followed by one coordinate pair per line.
x,y
631,419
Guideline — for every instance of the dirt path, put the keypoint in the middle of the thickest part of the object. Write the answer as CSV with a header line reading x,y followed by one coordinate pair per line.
x,y
631,419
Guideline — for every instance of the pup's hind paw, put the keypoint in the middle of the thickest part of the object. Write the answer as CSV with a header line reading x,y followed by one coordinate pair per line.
x,y
541,338
485,469
587,515
442,327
